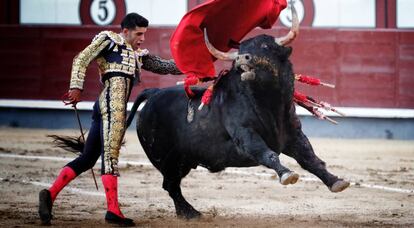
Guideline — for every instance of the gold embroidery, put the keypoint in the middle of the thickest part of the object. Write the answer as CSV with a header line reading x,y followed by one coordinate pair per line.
x,y
113,113
124,53
116,38
82,60
141,52
105,67
138,56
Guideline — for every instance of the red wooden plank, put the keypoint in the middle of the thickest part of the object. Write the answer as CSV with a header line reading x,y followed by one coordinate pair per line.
x,y
406,37
380,9
367,36
391,14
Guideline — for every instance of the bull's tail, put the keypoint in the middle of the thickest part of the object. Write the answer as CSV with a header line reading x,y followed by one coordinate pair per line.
x,y
142,97
72,144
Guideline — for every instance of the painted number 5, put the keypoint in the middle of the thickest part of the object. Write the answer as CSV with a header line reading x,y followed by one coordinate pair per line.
x,y
103,9
103,12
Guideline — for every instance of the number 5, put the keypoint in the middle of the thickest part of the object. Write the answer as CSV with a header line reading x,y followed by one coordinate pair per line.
x,y
102,6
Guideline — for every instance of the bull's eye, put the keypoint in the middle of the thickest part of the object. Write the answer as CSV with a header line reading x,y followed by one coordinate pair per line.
x,y
264,46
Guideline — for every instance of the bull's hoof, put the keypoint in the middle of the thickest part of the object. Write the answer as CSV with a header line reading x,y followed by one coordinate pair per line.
x,y
289,178
339,186
45,207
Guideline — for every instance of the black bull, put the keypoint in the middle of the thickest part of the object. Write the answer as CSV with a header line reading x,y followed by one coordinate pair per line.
x,y
249,122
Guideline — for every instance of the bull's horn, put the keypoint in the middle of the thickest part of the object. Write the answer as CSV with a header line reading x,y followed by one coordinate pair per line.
x,y
294,31
219,54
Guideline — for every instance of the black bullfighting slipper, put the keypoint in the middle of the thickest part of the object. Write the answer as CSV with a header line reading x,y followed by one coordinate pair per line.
x,y
45,207
115,219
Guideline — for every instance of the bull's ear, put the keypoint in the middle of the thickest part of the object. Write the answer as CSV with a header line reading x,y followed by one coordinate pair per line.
x,y
290,49
287,51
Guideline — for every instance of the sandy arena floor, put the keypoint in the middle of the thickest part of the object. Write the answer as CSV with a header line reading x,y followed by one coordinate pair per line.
x,y
382,194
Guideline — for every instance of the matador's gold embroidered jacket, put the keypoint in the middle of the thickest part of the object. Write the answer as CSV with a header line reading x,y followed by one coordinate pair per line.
x,y
115,57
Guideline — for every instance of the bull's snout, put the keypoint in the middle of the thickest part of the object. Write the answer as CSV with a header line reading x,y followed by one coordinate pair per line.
x,y
243,62
243,59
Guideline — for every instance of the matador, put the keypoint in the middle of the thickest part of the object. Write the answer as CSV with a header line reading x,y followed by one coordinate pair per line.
x,y
120,61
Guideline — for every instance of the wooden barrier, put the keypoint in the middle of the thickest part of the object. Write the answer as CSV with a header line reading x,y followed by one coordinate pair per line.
x,y
371,68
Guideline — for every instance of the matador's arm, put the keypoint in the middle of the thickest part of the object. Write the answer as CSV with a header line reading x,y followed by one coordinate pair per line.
x,y
158,65
83,59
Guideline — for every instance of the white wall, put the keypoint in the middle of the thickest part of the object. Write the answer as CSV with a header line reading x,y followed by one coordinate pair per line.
x,y
49,12
405,13
159,12
344,13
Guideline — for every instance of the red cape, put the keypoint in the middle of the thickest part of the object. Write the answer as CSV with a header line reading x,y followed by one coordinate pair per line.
x,y
227,22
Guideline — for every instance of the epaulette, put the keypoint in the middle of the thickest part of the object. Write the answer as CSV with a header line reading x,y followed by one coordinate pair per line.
x,y
116,38
141,52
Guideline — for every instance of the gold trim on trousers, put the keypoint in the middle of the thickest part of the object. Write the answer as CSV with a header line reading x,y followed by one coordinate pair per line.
x,y
113,103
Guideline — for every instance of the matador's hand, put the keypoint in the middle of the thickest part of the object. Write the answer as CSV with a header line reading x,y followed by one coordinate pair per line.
x,y
74,96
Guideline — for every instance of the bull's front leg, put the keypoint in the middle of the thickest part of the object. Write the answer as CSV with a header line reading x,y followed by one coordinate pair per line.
x,y
251,143
301,150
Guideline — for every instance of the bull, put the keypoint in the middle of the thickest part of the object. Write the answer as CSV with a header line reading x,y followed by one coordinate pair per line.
x,y
251,120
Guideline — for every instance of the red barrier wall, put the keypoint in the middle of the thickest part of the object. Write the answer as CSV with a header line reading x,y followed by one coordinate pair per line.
x,y
371,68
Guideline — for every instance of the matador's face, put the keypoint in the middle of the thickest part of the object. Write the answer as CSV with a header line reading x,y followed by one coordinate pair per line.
x,y
135,37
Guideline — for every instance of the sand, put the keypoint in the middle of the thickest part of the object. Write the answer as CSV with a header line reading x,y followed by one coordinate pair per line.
x,y
237,197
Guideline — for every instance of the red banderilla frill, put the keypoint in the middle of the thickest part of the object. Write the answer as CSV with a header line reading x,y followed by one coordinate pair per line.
x,y
312,106
311,80
206,99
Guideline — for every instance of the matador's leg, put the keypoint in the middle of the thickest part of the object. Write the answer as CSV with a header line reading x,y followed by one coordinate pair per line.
x,y
113,103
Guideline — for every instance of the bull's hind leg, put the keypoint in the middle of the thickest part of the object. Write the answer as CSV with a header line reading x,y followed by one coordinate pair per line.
x,y
301,150
171,183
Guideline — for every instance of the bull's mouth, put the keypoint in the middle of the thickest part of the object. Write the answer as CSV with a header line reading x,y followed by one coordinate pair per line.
x,y
244,67
247,71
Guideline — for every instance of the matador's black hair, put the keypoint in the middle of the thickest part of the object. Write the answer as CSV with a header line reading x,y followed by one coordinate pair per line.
x,y
133,20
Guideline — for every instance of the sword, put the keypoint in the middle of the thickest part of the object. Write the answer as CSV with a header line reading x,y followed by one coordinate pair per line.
x,y
65,96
